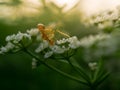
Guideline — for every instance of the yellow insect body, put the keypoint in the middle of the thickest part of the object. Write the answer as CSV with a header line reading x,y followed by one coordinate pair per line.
x,y
49,34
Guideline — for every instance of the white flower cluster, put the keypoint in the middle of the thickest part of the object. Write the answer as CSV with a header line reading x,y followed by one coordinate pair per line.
x,y
9,46
102,42
107,47
18,37
62,41
43,45
89,41
99,45
33,32
107,18
60,47
73,42
14,41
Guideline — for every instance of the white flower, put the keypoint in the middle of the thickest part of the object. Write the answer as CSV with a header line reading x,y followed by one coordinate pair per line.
x,y
58,49
88,41
34,63
17,38
3,49
10,38
20,36
107,47
7,48
1,52
43,45
74,42
105,24
13,42
48,54
33,32
10,46
61,41
92,65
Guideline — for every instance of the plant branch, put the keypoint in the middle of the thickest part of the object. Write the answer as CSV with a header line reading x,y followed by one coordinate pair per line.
x,y
55,69
81,72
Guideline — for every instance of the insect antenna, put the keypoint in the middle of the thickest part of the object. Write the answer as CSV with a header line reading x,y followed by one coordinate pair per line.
x,y
62,33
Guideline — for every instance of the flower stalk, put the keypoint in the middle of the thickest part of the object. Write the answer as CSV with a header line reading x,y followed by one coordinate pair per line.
x,y
55,69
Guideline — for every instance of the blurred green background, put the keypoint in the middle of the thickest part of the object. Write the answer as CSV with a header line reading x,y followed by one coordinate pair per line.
x,y
16,72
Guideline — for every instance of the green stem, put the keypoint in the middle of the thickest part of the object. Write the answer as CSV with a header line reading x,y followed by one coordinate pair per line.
x,y
81,72
55,69
102,78
100,75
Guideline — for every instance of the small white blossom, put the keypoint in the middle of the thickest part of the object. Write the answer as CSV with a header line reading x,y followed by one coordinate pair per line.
x,y
105,24
48,54
3,49
17,38
72,38
1,52
13,42
106,47
43,45
34,63
7,48
10,38
92,65
20,36
61,41
58,49
33,32
74,42
10,46
88,41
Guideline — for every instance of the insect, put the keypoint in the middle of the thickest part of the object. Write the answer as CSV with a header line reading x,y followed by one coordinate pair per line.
x,y
48,33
